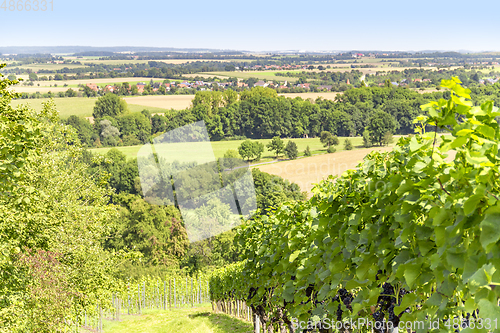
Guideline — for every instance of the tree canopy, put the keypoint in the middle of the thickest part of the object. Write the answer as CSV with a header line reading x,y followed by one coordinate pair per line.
x,y
109,105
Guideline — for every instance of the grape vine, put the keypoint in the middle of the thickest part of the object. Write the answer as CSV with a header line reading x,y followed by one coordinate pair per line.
x,y
407,236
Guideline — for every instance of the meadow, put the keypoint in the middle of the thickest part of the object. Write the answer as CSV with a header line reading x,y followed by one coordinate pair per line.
x,y
49,67
220,147
99,82
186,320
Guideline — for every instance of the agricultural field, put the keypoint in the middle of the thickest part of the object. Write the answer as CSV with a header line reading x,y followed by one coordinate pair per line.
x,y
176,102
206,76
78,106
220,147
271,75
136,61
268,75
99,82
306,172
187,320
83,106
49,67
42,90
313,96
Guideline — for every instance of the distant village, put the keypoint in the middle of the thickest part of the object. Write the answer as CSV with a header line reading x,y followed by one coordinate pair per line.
x,y
202,85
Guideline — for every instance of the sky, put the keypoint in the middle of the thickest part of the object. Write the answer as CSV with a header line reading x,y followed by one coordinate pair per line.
x,y
258,25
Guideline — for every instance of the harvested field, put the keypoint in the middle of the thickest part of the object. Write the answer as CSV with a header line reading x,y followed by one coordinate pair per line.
x,y
177,102
307,171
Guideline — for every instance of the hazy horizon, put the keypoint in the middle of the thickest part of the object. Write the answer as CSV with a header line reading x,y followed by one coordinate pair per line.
x,y
259,26
66,49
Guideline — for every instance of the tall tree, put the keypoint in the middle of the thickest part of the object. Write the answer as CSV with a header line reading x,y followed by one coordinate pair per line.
x,y
379,124
291,150
109,105
251,150
277,145
328,139
53,221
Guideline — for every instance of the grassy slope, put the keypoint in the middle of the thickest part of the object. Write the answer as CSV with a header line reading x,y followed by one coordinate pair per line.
x,y
190,320
220,147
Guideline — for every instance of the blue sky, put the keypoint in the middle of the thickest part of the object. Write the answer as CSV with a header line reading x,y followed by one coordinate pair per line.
x,y
260,25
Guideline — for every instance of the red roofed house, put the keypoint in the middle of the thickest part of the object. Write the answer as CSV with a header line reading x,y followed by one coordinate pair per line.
x,y
140,87
109,88
304,85
93,86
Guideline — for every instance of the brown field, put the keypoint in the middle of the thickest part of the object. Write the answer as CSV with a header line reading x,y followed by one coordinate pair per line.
x,y
313,96
177,102
306,172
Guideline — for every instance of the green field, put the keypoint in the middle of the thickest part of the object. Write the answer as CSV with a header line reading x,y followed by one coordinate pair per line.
x,y
269,75
78,106
136,61
50,67
186,320
53,83
220,147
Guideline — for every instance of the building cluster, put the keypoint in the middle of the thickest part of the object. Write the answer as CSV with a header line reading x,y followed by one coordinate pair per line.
x,y
202,85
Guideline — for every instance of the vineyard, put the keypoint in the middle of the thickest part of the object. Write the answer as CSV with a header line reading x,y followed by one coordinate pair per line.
x,y
405,241
148,293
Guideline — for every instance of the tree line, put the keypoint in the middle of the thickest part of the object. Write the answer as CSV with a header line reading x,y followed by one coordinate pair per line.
x,y
258,113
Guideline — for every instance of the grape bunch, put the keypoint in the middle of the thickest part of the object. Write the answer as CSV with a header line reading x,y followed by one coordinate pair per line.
x,y
378,316
387,298
346,298
393,318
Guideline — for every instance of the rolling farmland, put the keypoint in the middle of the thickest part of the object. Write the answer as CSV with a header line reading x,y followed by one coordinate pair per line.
x,y
78,106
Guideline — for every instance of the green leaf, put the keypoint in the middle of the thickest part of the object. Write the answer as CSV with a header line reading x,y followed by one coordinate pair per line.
x,y
489,310
471,203
459,142
294,256
490,226
407,301
464,132
487,131
411,273
482,277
